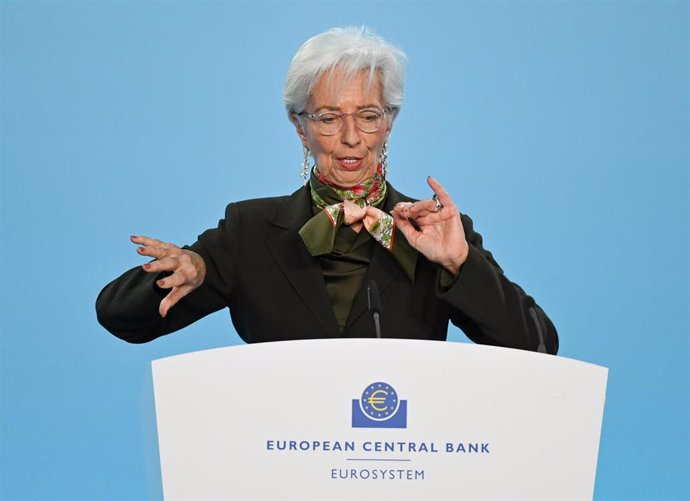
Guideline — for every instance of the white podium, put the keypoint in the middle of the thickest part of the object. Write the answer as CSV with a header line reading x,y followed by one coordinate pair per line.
x,y
377,419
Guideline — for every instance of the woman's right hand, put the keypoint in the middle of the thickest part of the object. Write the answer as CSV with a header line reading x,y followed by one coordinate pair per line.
x,y
188,269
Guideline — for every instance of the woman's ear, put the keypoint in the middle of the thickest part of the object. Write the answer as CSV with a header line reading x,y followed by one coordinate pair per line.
x,y
298,127
390,127
393,116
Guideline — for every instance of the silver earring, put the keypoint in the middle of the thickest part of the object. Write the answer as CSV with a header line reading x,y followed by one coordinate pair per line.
x,y
305,164
383,159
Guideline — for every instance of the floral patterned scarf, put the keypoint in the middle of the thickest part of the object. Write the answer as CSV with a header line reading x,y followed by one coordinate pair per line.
x,y
347,205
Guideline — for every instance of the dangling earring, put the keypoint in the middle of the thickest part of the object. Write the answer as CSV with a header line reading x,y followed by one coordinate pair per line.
x,y
383,159
305,164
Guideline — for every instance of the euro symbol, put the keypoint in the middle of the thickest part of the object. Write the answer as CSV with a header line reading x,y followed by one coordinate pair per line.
x,y
373,400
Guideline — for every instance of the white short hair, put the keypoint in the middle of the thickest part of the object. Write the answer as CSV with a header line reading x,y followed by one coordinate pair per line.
x,y
351,50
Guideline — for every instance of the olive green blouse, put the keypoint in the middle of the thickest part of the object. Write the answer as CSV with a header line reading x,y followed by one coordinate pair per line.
x,y
344,269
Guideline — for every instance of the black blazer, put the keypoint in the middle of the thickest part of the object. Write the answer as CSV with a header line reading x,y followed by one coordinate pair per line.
x,y
258,267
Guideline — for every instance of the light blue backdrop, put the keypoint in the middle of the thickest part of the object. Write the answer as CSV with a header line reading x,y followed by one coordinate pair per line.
x,y
561,127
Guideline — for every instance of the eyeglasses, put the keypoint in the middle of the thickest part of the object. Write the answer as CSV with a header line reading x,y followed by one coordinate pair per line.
x,y
331,122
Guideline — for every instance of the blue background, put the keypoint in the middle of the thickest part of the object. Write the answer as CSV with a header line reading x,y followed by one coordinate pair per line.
x,y
561,127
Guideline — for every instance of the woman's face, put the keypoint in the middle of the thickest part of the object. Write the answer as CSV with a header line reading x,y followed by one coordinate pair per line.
x,y
350,156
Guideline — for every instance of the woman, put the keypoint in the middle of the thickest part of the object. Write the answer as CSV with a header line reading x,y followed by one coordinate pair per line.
x,y
295,267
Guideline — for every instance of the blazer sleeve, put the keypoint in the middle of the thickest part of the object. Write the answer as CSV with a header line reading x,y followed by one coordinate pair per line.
x,y
491,309
128,306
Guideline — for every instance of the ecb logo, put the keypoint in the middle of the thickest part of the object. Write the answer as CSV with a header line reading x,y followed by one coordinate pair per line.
x,y
379,407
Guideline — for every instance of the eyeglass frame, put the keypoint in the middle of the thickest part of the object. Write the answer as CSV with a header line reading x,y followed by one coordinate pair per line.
x,y
316,117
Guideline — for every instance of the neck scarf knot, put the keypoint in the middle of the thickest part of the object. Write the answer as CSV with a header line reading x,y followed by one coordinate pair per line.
x,y
348,205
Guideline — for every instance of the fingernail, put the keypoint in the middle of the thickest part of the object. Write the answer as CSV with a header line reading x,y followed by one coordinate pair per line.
x,y
146,266
159,283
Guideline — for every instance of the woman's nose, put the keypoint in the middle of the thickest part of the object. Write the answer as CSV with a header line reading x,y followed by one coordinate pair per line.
x,y
350,133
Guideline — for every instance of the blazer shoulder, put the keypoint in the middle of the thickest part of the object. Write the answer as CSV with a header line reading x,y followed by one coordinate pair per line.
x,y
258,204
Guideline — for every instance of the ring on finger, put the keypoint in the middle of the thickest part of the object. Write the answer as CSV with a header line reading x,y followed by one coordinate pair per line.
x,y
439,205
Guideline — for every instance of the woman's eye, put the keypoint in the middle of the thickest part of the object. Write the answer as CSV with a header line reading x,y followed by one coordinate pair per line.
x,y
328,119
369,116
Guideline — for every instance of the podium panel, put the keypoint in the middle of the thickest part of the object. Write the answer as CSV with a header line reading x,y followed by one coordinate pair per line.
x,y
377,419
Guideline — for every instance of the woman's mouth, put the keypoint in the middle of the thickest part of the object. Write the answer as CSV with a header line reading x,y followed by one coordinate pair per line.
x,y
350,163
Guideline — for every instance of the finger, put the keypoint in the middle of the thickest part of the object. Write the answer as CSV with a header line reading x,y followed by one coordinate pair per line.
x,y
406,228
421,208
414,224
147,241
353,212
401,218
165,264
172,299
442,194
401,207
177,279
424,220
157,252
398,218
412,210
442,217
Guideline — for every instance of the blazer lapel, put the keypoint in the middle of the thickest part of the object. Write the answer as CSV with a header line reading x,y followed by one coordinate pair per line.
x,y
299,267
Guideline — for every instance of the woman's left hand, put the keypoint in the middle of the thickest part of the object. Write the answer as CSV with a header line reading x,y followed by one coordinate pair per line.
x,y
440,237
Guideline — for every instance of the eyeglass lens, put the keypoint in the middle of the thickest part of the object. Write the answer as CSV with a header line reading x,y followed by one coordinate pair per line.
x,y
366,121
